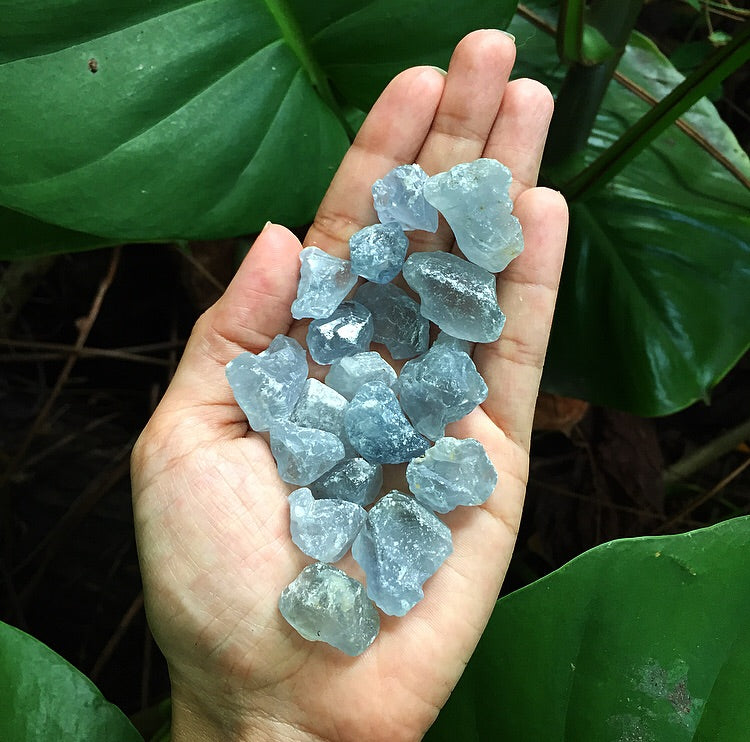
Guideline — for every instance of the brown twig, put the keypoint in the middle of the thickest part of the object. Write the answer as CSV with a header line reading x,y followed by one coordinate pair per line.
x,y
54,351
109,648
210,277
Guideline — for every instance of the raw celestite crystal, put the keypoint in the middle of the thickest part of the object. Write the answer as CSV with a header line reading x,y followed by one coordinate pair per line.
x,y
349,373
399,197
399,324
401,545
348,330
443,338
378,429
326,605
323,529
321,407
458,296
377,252
473,198
323,283
438,388
355,480
267,386
303,454
453,472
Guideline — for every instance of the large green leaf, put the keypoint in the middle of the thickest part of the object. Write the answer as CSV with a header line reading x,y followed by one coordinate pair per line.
x,y
656,290
640,639
201,119
45,698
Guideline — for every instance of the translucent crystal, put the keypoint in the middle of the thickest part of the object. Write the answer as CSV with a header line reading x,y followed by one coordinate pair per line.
x,y
348,330
401,545
378,429
324,604
350,373
355,480
398,323
399,197
267,386
438,388
458,296
443,338
453,472
473,198
377,252
321,407
303,454
323,529
324,281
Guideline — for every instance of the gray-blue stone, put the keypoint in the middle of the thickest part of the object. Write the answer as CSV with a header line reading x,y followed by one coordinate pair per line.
x,y
324,281
349,373
324,604
458,296
303,454
377,252
453,472
268,385
398,197
473,198
378,429
443,338
348,330
323,529
398,322
401,545
438,388
319,406
355,480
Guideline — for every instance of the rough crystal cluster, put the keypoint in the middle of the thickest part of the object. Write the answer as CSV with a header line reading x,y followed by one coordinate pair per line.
x,y
334,441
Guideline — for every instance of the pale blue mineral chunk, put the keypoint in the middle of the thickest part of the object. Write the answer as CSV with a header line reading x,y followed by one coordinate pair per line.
x,y
438,388
348,330
355,480
399,324
399,197
321,407
443,338
324,281
324,604
350,373
267,386
458,296
377,252
401,545
323,529
303,454
378,429
473,198
453,472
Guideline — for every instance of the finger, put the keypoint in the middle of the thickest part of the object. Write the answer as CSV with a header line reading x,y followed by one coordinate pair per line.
x,y
392,134
527,290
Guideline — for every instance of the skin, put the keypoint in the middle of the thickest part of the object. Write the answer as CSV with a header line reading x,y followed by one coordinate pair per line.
x,y
211,513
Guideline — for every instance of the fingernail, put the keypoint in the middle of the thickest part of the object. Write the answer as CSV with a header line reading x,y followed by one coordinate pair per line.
x,y
439,69
510,35
265,227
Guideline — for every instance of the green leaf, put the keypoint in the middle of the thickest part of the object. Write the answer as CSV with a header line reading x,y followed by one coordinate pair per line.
x,y
654,301
645,638
46,698
202,119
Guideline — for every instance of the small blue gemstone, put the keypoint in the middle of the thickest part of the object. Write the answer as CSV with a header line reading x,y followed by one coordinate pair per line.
x,y
303,454
377,252
398,197
348,330
324,282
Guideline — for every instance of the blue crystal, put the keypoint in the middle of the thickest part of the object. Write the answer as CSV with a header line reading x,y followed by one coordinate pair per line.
x,y
473,198
324,604
347,331
355,480
303,454
399,197
378,429
453,472
321,407
323,283
443,338
377,252
438,388
267,386
323,529
350,373
458,296
398,322
401,545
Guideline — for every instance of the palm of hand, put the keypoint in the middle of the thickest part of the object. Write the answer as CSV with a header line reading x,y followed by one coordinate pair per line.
x,y
211,513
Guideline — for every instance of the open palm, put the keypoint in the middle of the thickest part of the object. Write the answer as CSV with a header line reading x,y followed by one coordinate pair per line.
x,y
212,518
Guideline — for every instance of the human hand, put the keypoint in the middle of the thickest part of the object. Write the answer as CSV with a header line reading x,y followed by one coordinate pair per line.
x,y
211,513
